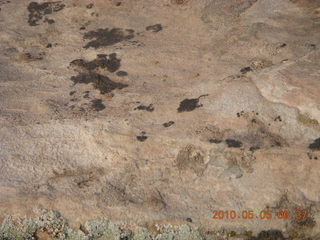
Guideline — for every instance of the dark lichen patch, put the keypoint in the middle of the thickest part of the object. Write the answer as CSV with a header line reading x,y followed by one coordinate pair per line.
x,y
49,45
149,108
103,83
245,70
107,37
254,148
110,62
97,105
188,105
168,124
142,137
311,156
136,43
283,45
50,21
179,2
72,93
215,141
278,118
311,46
272,234
154,28
89,6
32,56
307,222
259,133
121,73
303,215
232,143
239,114
315,146
276,144
38,10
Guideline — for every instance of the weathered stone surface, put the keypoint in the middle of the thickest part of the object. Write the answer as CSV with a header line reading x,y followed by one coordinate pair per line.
x,y
145,111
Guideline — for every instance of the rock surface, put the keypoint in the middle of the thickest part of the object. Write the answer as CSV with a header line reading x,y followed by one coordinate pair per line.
x,y
144,111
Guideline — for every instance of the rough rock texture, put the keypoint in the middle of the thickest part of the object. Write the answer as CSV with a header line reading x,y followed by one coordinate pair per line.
x,y
145,110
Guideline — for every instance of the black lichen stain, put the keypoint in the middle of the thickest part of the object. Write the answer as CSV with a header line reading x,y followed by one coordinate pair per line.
x,y
32,57
103,83
89,6
107,37
245,70
278,118
110,62
72,92
254,148
38,10
310,156
272,234
315,146
154,28
233,143
308,222
188,105
97,105
149,108
239,114
180,2
168,124
215,141
50,21
276,144
142,137
121,73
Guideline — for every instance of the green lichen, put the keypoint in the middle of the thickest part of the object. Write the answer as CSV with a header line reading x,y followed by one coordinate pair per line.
x,y
117,231
142,234
170,232
54,224
75,235
24,229
95,228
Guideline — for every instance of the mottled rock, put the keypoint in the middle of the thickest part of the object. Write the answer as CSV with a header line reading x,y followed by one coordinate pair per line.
x,y
145,111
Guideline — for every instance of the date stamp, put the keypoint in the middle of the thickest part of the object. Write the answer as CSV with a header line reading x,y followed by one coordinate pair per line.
x,y
299,215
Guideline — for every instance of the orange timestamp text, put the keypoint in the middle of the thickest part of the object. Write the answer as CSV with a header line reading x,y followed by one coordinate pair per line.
x,y
263,214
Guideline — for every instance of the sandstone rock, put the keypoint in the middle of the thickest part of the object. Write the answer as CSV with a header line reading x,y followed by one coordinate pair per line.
x,y
143,111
